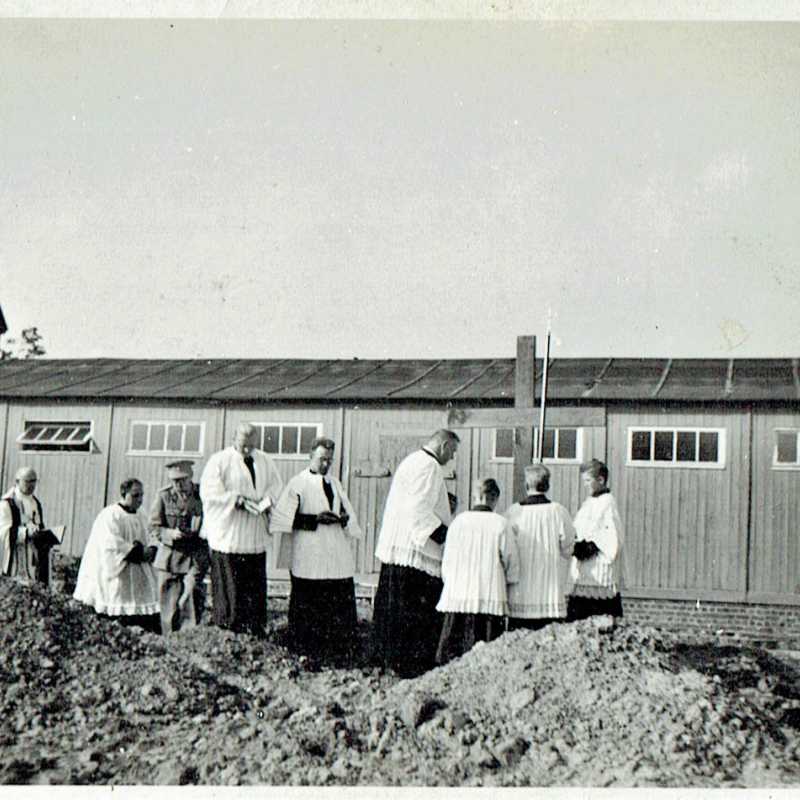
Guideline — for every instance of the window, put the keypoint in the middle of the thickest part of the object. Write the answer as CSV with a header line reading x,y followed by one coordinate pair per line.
x,y
559,445
676,447
787,448
503,444
289,439
59,437
562,444
153,438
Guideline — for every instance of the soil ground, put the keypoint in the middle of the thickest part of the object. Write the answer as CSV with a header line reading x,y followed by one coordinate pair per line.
x,y
85,701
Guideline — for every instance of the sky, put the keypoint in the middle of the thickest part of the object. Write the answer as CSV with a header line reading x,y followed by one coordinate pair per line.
x,y
321,188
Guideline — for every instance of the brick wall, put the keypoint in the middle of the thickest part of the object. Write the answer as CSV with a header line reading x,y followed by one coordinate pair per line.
x,y
769,624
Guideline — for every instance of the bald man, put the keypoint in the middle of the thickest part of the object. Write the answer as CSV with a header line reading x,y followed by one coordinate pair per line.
x,y
24,543
406,624
238,487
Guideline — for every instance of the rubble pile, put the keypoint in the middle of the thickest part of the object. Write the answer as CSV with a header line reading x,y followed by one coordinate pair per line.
x,y
571,705
84,700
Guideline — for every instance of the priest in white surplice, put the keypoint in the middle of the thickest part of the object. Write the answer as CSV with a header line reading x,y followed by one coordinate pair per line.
x,y
406,624
318,524
24,542
545,535
238,487
116,577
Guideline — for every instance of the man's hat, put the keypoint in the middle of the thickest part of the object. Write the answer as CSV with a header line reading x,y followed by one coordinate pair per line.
x,y
179,469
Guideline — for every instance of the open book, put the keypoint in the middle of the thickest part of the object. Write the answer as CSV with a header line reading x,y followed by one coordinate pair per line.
x,y
53,535
257,508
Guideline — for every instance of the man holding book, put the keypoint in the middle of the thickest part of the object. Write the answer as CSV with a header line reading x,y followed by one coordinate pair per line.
x,y
238,487
25,543
318,525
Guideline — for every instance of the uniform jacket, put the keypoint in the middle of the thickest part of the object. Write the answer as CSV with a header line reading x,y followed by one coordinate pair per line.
x,y
173,512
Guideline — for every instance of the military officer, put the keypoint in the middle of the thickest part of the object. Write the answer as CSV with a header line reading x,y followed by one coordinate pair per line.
x,y
181,562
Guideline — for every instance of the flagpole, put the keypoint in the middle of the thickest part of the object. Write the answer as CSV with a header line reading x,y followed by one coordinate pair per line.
x,y
543,410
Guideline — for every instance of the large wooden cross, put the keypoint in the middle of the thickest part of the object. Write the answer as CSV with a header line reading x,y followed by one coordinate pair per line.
x,y
524,417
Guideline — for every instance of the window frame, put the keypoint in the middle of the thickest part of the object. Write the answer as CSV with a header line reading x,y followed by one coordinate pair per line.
x,y
85,445
299,456
150,423
722,447
785,466
579,439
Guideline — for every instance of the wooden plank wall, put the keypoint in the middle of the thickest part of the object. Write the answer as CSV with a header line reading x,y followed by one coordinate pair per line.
x,y
289,466
378,439
775,537
686,529
150,469
328,416
565,482
5,479
71,485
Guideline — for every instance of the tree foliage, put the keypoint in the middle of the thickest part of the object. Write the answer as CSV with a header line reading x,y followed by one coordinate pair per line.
x,y
29,345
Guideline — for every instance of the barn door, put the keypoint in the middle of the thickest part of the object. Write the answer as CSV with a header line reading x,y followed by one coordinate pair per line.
x,y
379,441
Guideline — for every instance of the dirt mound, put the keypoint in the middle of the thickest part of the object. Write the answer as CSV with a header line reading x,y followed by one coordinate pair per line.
x,y
84,700
572,705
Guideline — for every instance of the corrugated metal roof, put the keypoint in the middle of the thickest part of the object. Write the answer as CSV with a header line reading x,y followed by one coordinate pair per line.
x,y
465,380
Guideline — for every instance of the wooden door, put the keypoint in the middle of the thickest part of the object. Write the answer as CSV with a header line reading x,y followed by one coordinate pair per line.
x,y
379,440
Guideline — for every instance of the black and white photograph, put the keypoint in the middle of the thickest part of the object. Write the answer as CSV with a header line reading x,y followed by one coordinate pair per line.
x,y
400,396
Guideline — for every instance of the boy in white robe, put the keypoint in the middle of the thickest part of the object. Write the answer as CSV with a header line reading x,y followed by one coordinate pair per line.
x,y
596,568
480,559
545,538
317,524
116,577
238,488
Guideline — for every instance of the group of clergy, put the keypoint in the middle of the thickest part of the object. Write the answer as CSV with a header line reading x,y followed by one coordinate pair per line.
x,y
151,571
445,583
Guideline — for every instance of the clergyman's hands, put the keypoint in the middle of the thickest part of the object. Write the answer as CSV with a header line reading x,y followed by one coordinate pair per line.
x,y
328,518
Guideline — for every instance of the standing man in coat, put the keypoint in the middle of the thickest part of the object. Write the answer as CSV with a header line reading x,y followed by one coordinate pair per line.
x,y
181,561
24,542
406,623
238,488
316,515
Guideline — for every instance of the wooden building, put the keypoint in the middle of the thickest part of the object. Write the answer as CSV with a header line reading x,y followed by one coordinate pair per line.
x,y
704,454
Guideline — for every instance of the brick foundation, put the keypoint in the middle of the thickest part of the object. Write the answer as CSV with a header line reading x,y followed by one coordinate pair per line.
x,y
767,624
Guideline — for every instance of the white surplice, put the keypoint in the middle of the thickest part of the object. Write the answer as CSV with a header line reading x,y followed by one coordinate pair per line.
x,y
22,562
598,521
229,529
324,553
106,581
416,506
545,536
480,558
